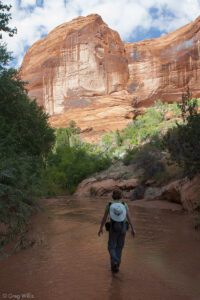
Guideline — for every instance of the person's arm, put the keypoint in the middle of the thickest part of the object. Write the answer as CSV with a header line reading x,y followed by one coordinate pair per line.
x,y
131,223
103,223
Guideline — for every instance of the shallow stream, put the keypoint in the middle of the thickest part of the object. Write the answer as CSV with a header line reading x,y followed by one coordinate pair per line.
x,y
69,260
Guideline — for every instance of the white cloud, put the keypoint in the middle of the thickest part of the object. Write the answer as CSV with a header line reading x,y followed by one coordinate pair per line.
x,y
35,18
25,3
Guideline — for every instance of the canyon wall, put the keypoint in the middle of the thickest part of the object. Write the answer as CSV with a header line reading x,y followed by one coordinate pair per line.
x,y
82,71
162,68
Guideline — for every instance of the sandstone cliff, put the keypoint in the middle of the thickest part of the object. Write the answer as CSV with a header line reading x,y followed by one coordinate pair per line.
x,y
162,68
82,71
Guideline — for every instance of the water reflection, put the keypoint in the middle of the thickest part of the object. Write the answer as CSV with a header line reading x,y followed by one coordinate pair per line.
x,y
72,262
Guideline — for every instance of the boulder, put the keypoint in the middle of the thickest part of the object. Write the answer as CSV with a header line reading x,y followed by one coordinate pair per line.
x,y
190,194
152,193
104,188
184,191
172,191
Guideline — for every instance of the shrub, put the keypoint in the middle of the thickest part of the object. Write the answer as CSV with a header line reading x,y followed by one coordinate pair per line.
x,y
183,141
144,128
68,166
93,191
175,108
161,106
19,190
148,158
130,155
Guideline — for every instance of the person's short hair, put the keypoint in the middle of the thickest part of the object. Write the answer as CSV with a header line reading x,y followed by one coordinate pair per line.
x,y
116,195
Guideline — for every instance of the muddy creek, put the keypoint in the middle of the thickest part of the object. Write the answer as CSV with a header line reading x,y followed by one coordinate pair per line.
x,y
70,261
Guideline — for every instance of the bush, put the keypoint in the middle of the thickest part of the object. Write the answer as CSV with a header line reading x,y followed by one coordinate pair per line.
x,y
93,191
183,141
176,109
130,155
161,106
68,166
19,190
148,158
144,128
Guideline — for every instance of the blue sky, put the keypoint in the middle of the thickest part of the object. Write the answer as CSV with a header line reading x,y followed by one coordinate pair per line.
x,y
134,20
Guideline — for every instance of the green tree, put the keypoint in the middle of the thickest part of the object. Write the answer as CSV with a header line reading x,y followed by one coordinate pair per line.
x,y
68,166
23,124
25,141
5,16
4,20
68,136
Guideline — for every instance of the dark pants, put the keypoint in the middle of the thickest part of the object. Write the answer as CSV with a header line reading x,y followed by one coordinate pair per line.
x,y
115,245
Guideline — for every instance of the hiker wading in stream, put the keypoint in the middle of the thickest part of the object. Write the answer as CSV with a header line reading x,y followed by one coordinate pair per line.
x,y
117,227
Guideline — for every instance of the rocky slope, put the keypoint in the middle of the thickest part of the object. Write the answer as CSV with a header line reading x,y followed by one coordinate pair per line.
x,y
82,71
181,194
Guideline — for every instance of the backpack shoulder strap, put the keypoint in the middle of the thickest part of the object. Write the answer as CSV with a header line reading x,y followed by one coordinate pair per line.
x,y
109,211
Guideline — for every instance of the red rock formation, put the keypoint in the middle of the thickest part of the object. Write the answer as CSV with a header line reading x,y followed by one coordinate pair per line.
x,y
82,71
82,58
190,194
162,68
104,188
182,191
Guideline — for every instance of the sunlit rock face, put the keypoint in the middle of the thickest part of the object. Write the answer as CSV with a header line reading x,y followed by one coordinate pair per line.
x,y
162,68
82,58
82,71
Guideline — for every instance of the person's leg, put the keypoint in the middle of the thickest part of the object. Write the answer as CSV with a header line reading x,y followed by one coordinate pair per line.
x,y
112,243
120,244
